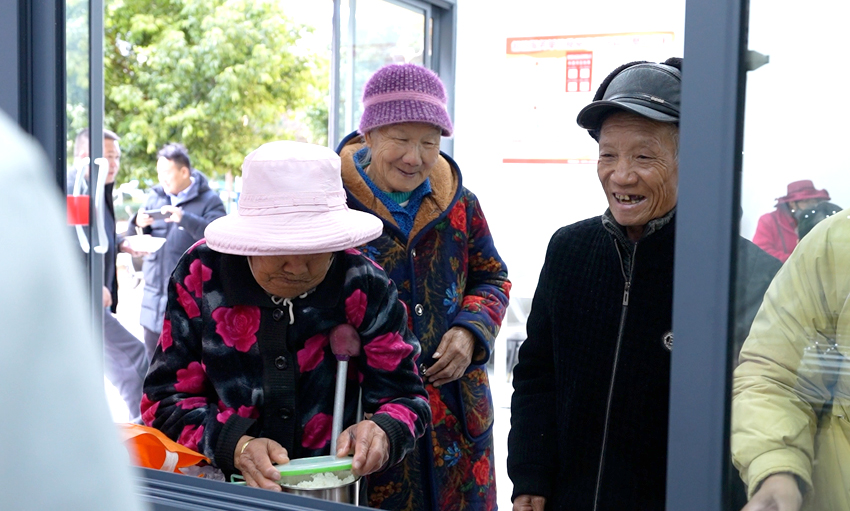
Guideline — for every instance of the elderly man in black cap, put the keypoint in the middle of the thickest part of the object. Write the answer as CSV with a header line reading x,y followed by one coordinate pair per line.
x,y
590,406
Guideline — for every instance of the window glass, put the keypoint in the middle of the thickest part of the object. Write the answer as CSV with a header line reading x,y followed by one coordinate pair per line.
x,y
791,384
374,33
76,77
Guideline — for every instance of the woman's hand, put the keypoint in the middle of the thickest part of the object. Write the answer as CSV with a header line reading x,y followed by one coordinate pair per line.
x,y
369,444
779,492
254,458
453,356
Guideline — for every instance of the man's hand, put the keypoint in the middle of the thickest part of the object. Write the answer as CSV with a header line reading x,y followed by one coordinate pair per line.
x,y
255,461
779,492
369,444
143,219
107,297
529,503
453,356
176,213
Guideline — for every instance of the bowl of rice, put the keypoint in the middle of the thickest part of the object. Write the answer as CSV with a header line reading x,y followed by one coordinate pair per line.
x,y
321,477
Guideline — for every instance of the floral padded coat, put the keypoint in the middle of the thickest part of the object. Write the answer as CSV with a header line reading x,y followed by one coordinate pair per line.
x,y
233,361
449,273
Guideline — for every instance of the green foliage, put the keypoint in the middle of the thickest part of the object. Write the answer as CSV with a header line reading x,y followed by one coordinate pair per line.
x,y
220,76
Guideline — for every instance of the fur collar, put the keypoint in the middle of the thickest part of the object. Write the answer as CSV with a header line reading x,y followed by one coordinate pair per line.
x,y
445,181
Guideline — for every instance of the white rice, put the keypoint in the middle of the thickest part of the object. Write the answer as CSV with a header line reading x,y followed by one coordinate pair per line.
x,y
325,480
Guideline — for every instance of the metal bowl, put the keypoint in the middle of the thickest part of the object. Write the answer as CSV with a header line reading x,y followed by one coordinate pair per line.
x,y
347,493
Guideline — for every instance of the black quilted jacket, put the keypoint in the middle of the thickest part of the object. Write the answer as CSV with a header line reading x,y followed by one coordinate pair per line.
x,y
589,410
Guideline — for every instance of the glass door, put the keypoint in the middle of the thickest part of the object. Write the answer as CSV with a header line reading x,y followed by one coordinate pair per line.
x,y
759,379
790,407
87,170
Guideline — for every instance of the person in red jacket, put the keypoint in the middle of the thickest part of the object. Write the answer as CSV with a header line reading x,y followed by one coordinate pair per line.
x,y
776,232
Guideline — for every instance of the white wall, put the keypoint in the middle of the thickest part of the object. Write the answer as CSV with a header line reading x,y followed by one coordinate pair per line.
x,y
526,203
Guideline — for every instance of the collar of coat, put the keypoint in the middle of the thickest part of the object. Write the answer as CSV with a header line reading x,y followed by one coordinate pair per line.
x,y
619,232
445,182
624,245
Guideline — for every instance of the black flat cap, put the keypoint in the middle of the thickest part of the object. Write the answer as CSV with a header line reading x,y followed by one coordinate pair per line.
x,y
647,89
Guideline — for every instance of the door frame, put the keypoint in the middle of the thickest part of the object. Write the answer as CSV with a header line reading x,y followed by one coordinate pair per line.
x,y
713,82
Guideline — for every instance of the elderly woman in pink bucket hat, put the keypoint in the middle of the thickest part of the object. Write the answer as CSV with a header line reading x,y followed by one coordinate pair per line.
x,y
437,247
244,372
776,232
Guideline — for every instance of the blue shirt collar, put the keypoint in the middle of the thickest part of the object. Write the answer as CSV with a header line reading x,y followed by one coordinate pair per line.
x,y
182,195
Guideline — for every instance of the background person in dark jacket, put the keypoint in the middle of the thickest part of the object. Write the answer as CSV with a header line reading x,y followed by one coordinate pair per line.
x,y
590,406
125,364
185,196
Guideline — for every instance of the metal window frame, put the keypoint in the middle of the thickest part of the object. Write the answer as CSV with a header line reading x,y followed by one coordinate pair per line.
x,y
168,491
426,7
34,78
698,467
96,261
10,26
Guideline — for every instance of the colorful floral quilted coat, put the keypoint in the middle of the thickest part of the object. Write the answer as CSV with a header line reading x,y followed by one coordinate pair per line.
x,y
449,273
233,360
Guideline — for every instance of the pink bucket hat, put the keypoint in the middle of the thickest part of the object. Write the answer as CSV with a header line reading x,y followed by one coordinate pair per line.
x,y
292,203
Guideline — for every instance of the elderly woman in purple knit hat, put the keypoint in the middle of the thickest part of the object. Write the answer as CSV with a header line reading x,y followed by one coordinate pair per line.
x,y
245,367
437,248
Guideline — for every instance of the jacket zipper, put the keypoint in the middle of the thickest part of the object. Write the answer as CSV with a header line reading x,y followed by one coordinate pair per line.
x,y
622,328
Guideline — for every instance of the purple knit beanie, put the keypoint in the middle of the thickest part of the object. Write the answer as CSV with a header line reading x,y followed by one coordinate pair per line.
x,y
399,93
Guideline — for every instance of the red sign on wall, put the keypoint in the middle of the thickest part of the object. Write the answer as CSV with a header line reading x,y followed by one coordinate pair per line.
x,y
579,72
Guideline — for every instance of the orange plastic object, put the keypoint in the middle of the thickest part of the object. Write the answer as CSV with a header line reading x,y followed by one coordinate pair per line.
x,y
150,448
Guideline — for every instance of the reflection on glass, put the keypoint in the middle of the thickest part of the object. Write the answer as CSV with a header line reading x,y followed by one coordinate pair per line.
x,y
76,77
791,387
380,33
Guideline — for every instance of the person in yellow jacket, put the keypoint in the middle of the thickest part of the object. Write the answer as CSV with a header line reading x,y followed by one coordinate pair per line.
x,y
791,391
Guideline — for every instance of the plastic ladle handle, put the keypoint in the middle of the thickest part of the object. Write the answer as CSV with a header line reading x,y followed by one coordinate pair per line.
x,y
345,343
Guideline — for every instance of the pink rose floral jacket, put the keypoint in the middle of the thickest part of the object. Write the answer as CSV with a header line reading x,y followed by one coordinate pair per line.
x,y
233,360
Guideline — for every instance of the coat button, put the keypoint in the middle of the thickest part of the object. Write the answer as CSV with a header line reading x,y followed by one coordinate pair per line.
x,y
277,314
281,363
413,252
285,413
418,309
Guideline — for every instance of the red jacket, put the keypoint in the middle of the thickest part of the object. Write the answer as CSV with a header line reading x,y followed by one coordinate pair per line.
x,y
776,234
